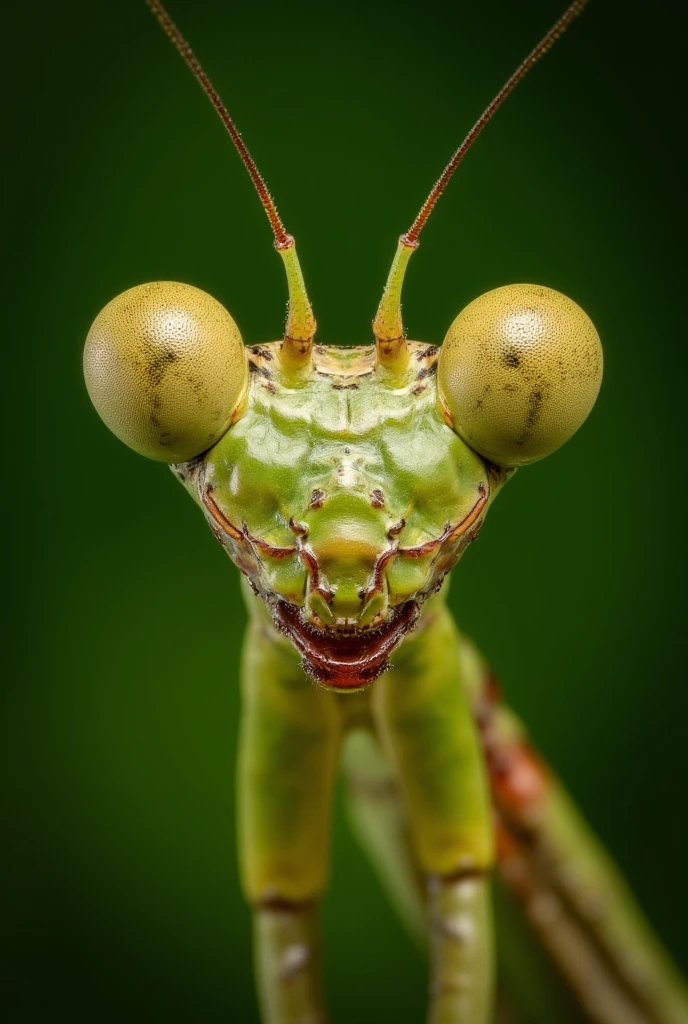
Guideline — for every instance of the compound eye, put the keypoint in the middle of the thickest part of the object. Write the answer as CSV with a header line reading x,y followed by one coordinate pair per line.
x,y
165,368
519,371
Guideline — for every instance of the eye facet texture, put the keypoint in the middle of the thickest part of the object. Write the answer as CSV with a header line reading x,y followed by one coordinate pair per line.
x,y
519,371
165,368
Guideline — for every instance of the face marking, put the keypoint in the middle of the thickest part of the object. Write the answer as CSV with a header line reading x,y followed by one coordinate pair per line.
x,y
219,516
343,541
269,550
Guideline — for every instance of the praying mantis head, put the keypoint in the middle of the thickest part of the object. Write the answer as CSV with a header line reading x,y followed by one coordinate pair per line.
x,y
345,483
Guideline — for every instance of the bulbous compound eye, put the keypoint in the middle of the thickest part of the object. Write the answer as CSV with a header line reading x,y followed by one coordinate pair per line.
x,y
519,371
165,368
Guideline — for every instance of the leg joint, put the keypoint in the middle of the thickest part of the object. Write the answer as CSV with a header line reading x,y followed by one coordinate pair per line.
x,y
464,873
273,903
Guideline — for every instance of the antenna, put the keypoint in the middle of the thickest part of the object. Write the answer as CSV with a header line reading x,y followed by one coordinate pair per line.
x,y
301,324
388,326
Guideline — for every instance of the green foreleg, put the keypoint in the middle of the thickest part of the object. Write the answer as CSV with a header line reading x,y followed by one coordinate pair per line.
x,y
287,762
573,895
287,963
379,821
461,978
426,725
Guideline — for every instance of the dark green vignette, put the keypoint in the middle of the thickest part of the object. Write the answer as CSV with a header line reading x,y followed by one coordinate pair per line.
x,y
124,620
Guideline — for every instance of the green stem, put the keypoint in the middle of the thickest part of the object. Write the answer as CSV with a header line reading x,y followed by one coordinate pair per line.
x,y
461,966
287,965
572,892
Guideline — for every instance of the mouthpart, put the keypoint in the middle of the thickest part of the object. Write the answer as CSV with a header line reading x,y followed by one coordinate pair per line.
x,y
345,660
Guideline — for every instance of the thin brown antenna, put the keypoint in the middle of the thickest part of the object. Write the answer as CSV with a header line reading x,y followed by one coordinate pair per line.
x,y
388,326
301,325
521,71
187,54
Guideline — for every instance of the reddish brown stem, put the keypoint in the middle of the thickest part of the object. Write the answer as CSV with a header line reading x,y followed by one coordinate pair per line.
x,y
282,239
411,236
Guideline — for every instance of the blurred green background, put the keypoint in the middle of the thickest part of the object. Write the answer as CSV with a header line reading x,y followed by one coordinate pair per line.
x,y
123,618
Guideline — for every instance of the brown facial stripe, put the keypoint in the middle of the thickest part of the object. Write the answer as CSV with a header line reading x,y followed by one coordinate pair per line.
x,y
450,532
309,560
268,549
300,529
261,546
313,569
475,512
375,584
218,516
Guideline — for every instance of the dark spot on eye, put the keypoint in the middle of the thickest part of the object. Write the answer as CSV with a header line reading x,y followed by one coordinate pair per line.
x,y
479,404
534,409
317,498
158,366
377,498
511,358
154,420
510,387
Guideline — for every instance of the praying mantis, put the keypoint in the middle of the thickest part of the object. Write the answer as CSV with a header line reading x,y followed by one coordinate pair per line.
x,y
345,484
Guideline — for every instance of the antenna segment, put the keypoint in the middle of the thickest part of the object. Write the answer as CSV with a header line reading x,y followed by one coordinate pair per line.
x,y
521,71
387,326
301,324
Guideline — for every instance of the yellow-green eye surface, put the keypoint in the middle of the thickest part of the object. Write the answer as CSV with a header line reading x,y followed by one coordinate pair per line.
x,y
165,368
519,371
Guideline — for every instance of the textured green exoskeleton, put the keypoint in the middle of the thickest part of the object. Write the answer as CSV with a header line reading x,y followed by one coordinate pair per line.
x,y
345,483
